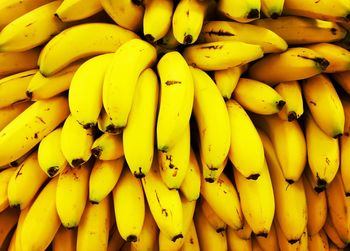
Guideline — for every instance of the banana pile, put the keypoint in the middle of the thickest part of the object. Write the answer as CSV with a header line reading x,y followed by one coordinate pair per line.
x,y
166,125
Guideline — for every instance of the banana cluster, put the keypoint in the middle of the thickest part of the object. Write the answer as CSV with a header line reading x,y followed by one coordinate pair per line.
x,y
174,125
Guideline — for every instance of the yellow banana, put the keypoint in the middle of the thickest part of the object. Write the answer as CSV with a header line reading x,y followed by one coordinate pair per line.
x,y
115,241
269,41
28,128
127,64
342,79
5,177
22,216
108,147
168,41
191,240
285,245
65,240
50,157
72,10
104,123
8,220
76,42
165,204
41,222
272,8
25,182
15,62
32,29
94,227
86,108
141,124
293,64
103,178
126,13
72,194
296,30
156,10
76,142
318,242
292,94
13,88
269,243
221,55
344,146
8,113
245,232
240,11
214,220
333,235
234,242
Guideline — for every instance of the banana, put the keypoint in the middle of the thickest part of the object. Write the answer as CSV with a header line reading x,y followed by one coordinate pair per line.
x,y
296,30
103,178
41,87
292,94
187,20
8,113
288,142
72,10
175,99
94,227
8,220
41,222
11,245
241,11
293,64
108,147
316,207
234,242
104,123
329,10
318,242
222,197
76,142
269,41
5,177
129,206
168,41
25,182
333,235
211,174
221,55
20,160
156,10
65,240
72,193
115,241
272,8
269,243
190,186
246,231
255,245
165,204
214,220
212,119
290,199
15,62
324,104
342,79
28,128
333,247
86,108
50,157
141,124
227,80
285,245
344,146
21,218
191,240
258,97
13,88
126,13
76,42
127,64
32,29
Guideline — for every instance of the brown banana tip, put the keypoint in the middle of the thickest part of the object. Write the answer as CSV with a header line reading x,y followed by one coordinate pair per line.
x,y
58,17
275,15
290,181
293,241
220,230
17,206
253,13
97,151
71,227
138,2
209,180
292,116
188,39
94,202
179,236
321,63
262,234
149,38
163,149
131,238
89,125
337,135
139,175
321,183
114,129
253,176
347,194
348,17
29,94
52,171
280,104
319,189
77,162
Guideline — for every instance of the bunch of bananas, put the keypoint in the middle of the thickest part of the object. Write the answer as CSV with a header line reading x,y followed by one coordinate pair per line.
x,y
174,125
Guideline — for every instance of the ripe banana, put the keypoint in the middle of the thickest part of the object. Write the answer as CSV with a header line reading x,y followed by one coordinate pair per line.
x,y
221,55
269,41
76,42
72,193
127,64
191,242
293,64
141,124
108,147
269,243
214,220
255,245
41,222
285,244
246,231
234,242
344,146
103,178
168,41
88,79
241,11
22,216
333,234
296,30
342,79
72,10
14,62
5,177
65,240
32,29
226,80
8,219
25,182
324,104
318,242
9,113
292,94
115,241
272,8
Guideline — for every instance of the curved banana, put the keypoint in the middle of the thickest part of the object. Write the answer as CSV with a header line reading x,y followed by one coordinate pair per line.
x,y
241,11
293,64
115,241
127,64
269,41
15,62
292,94
345,147
333,235
296,30
234,242
76,42
103,178
318,242
72,10
285,244
191,242
342,79
88,79
32,29
104,123
221,55
9,113
5,177
41,222
324,104
141,125
272,8
93,229
72,193
8,220
245,232
108,147
76,142
270,242
65,240
22,216
227,80
214,220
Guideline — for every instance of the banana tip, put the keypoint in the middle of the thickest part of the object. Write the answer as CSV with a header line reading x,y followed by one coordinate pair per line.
x,y
179,236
